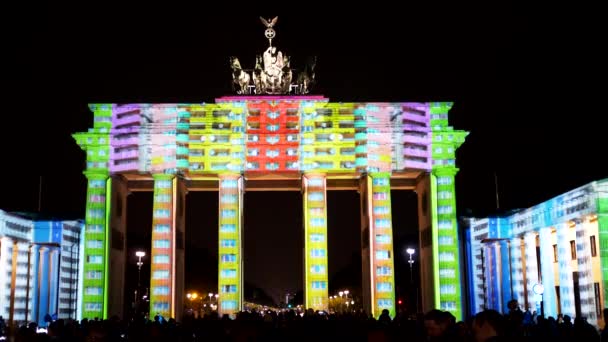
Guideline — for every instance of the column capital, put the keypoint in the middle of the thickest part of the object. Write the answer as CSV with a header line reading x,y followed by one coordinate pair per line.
x,y
380,174
230,175
163,176
445,171
96,175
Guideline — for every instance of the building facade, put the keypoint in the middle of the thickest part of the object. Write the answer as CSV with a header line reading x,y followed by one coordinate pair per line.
x,y
548,257
40,267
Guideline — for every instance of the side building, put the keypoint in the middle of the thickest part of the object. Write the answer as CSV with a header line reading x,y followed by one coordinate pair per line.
x,y
40,267
548,257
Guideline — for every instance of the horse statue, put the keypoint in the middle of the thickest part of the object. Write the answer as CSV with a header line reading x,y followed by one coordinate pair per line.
x,y
306,78
259,77
240,78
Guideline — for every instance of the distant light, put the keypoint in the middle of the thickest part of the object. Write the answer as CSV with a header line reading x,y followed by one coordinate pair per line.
x,y
140,254
410,251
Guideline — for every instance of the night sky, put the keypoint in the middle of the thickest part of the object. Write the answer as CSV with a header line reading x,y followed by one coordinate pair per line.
x,y
521,79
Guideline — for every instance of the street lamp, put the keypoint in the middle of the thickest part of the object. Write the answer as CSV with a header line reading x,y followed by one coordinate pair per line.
x,y
411,251
139,255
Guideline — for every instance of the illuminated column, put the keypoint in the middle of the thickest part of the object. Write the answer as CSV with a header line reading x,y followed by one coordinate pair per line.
x,y
547,274
378,260
94,292
118,246
585,271
531,268
162,261
564,259
518,272
446,255
315,242
506,274
230,268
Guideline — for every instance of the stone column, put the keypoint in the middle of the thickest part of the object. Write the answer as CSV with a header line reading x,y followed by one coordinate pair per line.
x,y
315,242
585,272
94,292
162,259
230,268
531,268
378,263
518,272
548,277
564,259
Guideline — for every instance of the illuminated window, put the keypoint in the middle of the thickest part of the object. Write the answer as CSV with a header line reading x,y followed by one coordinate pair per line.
x,y
444,194
383,255
448,305
385,303
382,238
160,290
228,304
383,271
93,291
444,180
447,289
445,241
319,285
162,213
162,198
94,275
228,288
94,244
444,209
94,259
228,213
161,306
162,274
228,257
446,257
94,228
163,184
160,259
438,150
447,273
229,273
593,246
317,269
381,210
92,307
444,224
228,228
382,223
317,237
384,287
229,198
227,243
317,253
162,228
160,244
380,196
315,196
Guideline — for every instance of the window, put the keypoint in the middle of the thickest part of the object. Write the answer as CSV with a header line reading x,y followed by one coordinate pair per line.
x,y
160,290
228,288
229,273
385,303
317,269
382,238
94,244
93,291
227,243
94,275
383,271
554,253
161,306
161,228
160,259
160,275
228,257
92,307
317,238
573,249
593,246
319,285
94,259
228,305
160,244
384,287
317,253
228,228
383,255
598,297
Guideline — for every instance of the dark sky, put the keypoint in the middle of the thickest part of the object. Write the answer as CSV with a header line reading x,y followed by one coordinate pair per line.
x,y
522,80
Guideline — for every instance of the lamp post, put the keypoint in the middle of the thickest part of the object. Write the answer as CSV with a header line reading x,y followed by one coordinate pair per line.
x,y
139,255
411,251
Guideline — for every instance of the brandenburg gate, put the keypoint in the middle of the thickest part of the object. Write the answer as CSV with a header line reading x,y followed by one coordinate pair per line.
x,y
272,136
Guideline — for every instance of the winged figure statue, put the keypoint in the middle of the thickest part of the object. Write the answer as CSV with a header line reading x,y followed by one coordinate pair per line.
x,y
269,23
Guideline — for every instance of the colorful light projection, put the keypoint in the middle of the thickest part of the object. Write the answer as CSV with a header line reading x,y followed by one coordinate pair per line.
x,y
268,134
162,281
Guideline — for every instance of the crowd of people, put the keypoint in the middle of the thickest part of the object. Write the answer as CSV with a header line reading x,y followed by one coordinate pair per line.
x,y
268,326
